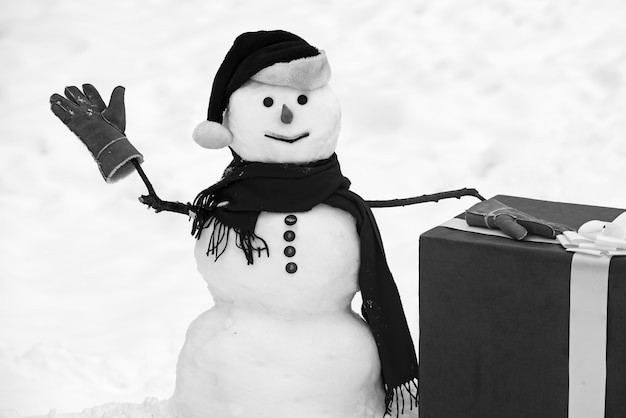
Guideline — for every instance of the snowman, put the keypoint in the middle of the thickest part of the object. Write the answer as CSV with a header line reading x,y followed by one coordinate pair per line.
x,y
283,245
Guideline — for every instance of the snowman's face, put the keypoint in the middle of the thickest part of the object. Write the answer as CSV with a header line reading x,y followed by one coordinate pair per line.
x,y
276,124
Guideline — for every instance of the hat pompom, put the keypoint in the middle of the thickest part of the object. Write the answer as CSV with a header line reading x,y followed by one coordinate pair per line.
x,y
212,135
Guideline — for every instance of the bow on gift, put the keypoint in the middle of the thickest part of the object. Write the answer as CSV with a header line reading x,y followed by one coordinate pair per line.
x,y
596,238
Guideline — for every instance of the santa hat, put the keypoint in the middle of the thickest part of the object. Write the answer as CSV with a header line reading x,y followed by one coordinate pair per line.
x,y
273,57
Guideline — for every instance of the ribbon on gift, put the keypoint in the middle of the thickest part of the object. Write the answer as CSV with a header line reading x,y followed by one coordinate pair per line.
x,y
593,245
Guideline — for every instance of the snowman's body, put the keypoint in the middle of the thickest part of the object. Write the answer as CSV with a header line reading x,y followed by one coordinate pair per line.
x,y
281,344
282,340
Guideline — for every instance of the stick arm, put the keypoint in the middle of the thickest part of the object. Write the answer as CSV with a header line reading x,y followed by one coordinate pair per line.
x,y
435,197
153,201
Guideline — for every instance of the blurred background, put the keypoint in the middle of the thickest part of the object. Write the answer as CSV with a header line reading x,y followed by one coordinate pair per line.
x,y
96,291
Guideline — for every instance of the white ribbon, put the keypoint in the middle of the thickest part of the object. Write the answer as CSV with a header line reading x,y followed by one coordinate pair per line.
x,y
594,244
589,290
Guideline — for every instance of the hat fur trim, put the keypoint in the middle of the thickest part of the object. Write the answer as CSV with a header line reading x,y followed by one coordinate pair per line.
x,y
306,73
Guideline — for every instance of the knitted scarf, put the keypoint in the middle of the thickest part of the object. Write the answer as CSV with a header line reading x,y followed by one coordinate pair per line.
x,y
248,188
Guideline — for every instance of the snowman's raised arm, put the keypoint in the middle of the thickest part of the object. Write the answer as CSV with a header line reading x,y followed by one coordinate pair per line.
x,y
102,129
435,197
153,201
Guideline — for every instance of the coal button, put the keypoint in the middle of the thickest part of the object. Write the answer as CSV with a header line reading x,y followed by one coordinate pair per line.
x,y
291,268
289,236
290,251
291,220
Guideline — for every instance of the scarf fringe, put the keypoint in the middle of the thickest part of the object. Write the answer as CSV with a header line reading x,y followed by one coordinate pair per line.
x,y
207,218
205,205
248,242
402,396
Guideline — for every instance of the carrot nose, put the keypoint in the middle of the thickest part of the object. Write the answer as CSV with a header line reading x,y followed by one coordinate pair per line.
x,y
286,115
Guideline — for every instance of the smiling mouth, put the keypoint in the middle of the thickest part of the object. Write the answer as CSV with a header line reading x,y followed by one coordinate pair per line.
x,y
289,139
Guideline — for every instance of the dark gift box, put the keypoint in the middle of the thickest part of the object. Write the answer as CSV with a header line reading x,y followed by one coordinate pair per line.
x,y
495,317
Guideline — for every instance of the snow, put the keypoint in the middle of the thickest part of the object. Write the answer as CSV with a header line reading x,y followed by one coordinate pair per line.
x,y
96,292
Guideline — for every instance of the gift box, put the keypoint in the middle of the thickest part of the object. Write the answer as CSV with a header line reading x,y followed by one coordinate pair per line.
x,y
495,322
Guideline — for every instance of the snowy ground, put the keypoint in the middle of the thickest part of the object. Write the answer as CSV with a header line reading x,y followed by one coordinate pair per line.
x,y
524,98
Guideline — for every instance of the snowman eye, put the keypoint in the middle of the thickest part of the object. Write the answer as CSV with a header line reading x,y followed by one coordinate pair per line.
x,y
268,102
302,99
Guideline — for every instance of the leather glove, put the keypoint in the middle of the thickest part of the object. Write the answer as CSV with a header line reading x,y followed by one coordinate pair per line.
x,y
516,224
99,127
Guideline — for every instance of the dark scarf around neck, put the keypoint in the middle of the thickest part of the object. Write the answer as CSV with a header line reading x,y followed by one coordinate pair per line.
x,y
248,188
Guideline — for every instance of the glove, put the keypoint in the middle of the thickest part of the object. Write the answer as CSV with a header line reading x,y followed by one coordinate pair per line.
x,y
99,127
516,224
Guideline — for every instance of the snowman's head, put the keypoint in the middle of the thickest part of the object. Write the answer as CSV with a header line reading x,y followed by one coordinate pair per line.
x,y
278,124
271,101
